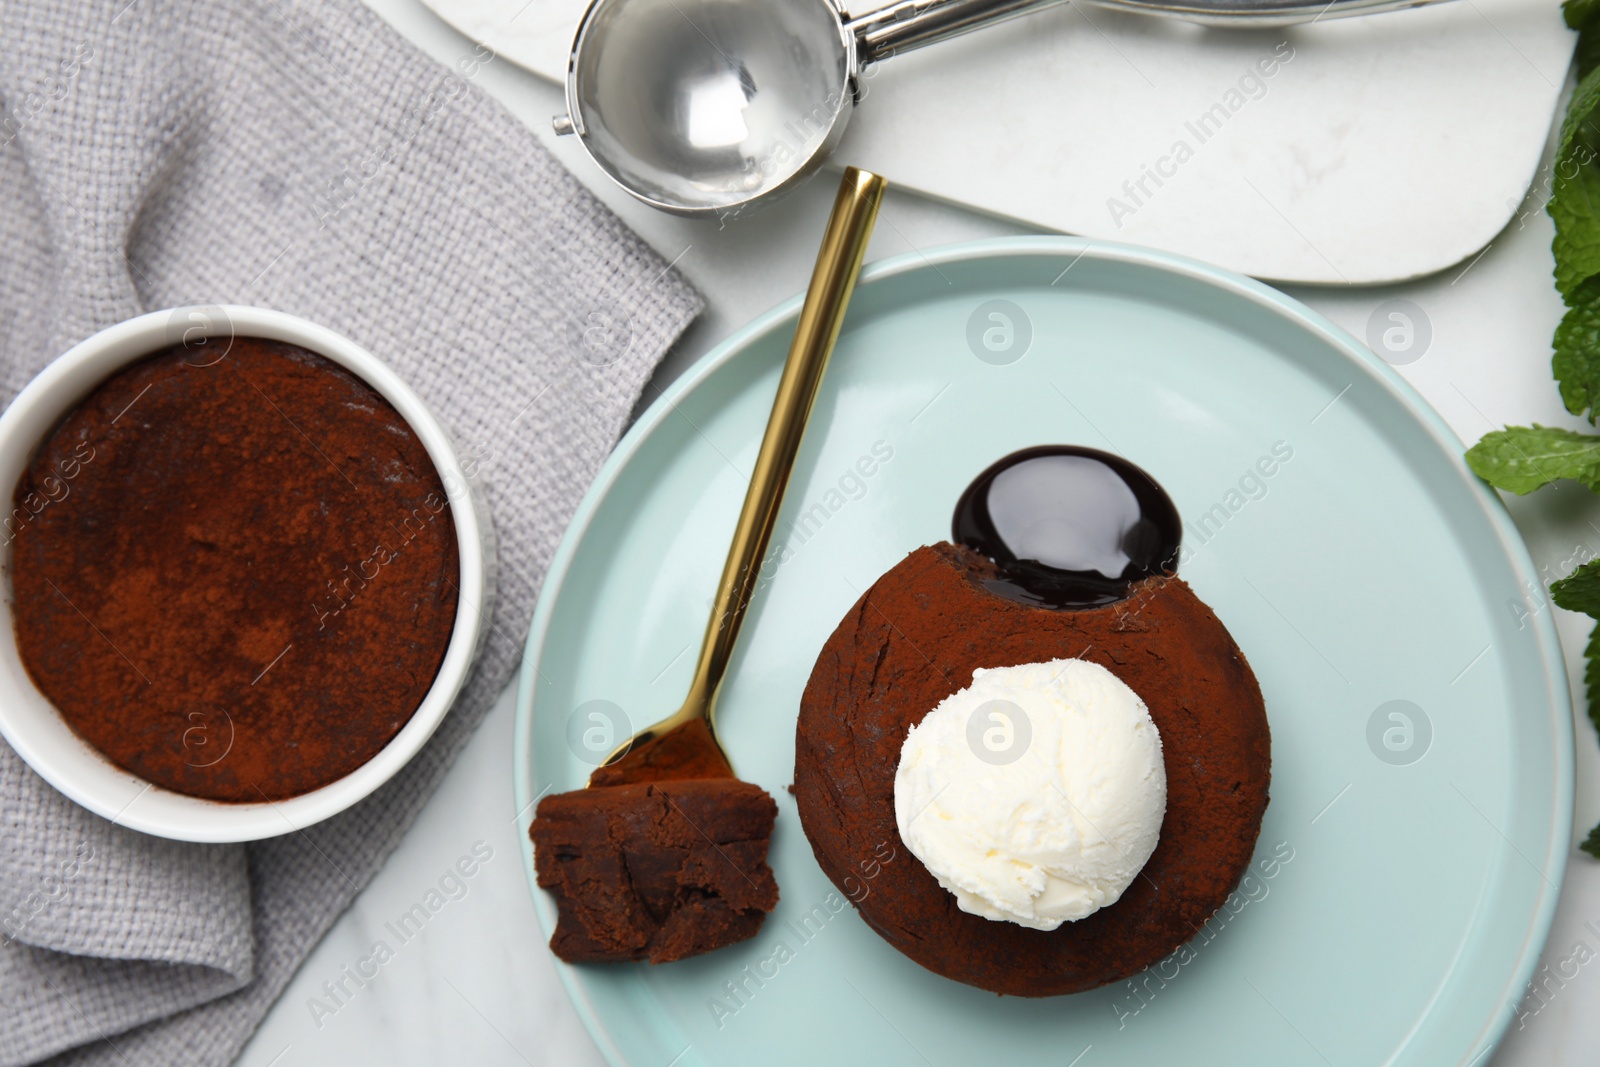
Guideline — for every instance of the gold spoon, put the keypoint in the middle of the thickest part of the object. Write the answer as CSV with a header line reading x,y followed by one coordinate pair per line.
x,y
684,744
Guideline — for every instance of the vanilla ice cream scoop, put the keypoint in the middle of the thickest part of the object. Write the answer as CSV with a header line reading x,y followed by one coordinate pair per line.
x,y
1036,794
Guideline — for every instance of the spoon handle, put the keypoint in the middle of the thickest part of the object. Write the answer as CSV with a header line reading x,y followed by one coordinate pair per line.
x,y
844,244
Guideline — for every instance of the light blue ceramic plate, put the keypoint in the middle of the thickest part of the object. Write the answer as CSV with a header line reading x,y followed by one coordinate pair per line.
x,y
1408,866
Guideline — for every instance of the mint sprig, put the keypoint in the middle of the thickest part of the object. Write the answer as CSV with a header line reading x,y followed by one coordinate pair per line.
x,y
1587,57
1520,459
1580,590
1577,343
1575,190
1591,680
1580,15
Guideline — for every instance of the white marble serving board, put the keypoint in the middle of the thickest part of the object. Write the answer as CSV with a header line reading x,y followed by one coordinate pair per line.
x,y
1378,148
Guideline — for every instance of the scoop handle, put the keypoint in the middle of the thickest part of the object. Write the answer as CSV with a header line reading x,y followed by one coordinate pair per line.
x,y
908,24
844,245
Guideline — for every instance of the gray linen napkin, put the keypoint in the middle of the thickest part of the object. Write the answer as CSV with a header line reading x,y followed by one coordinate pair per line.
x,y
297,155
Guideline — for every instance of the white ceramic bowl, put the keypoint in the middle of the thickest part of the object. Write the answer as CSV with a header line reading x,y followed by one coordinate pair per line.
x,y
33,726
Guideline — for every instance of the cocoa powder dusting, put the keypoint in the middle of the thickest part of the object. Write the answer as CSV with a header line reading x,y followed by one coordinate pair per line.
x,y
236,580
914,638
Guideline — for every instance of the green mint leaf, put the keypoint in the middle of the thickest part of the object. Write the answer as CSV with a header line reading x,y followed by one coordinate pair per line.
x,y
1591,675
1592,845
1580,591
1587,55
1519,459
1577,343
1580,14
1575,190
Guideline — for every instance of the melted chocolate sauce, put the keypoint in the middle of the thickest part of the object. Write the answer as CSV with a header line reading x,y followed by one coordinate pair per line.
x,y
1067,526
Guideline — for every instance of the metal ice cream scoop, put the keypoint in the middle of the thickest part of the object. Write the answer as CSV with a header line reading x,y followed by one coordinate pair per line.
x,y
703,107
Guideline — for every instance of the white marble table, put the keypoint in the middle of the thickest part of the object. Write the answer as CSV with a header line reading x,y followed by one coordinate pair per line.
x,y
1317,182
477,985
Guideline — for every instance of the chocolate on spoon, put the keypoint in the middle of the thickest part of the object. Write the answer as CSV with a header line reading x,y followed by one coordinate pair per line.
x,y
664,855
687,751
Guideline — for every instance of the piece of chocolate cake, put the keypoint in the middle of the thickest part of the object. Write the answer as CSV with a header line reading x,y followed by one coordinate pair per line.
x,y
914,638
655,870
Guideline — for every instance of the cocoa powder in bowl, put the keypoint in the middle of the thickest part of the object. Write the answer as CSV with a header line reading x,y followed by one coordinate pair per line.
x,y
236,578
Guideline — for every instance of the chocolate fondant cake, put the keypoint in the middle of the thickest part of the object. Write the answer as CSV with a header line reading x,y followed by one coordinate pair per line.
x,y
236,576
915,637
655,870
